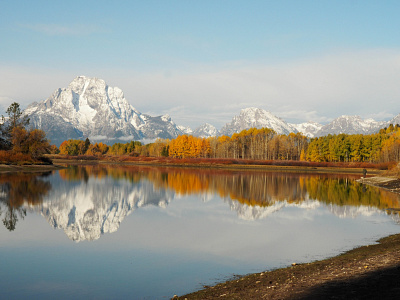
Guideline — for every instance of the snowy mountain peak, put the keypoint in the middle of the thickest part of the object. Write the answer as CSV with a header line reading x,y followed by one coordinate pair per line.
x,y
166,118
185,130
350,125
88,107
258,118
395,120
206,130
309,128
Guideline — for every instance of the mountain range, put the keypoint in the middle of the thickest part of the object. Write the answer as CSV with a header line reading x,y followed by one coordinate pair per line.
x,y
88,107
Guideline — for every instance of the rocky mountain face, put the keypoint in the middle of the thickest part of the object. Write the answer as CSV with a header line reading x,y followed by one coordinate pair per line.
x,y
351,125
394,121
309,129
256,117
88,107
205,131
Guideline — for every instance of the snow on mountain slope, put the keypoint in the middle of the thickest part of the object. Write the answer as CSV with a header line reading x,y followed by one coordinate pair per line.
x,y
185,130
88,107
258,118
309,128
395,120
206,130
351,125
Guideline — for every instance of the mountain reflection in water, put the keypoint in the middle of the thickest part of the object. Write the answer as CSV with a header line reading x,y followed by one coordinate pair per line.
x,y
88,201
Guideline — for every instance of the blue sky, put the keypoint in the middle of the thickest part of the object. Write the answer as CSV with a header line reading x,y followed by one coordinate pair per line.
x,y
203,61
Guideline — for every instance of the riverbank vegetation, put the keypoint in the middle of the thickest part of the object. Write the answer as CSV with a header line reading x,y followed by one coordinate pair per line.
x,y
18,144
253,146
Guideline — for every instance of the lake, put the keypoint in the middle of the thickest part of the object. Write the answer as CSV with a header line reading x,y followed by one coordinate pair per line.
x,y
116,232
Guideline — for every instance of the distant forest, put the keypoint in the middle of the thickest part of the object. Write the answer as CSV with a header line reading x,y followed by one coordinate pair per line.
x,y
257,144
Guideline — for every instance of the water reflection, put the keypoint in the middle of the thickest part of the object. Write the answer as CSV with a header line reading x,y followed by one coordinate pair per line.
x,y
88,201
17,190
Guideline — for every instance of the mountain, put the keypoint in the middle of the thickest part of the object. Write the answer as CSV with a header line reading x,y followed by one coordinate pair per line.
x,y
206,130
258,118
158,127
309,128
351,125
395,120
185,130
88,107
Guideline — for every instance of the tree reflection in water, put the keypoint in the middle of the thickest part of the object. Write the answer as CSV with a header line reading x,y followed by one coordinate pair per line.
x,y
17,190
253,188
257,189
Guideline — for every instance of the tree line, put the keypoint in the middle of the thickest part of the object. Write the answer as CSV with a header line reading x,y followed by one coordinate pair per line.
x,y
258,144
266,144
249,144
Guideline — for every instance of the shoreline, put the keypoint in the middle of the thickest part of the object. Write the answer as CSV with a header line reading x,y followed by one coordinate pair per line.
x,y
366,272
241,167
60,164
389,183
29,168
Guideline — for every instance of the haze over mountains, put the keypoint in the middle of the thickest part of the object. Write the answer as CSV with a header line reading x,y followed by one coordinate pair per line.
x,y
88,107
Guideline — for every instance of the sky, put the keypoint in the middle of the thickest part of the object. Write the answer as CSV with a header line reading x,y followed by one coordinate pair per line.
x,y
204,61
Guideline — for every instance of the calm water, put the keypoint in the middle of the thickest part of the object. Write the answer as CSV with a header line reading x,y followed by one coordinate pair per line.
x,y
108,232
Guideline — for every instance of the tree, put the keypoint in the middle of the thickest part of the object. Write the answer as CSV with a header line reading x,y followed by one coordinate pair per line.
x,y
14,120
87,144
19,137
31,142
14,116
37,143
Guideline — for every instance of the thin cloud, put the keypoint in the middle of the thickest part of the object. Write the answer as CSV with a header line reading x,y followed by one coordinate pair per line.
x,y
363,83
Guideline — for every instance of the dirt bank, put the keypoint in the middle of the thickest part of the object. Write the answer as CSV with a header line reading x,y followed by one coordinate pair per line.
x,y
388,183
370,272
29,168
212,165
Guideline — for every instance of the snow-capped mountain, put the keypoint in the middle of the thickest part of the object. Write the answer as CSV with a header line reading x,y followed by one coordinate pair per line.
x,y
258,118
206,130
395,120
308,128
351,125
88,107
185,130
